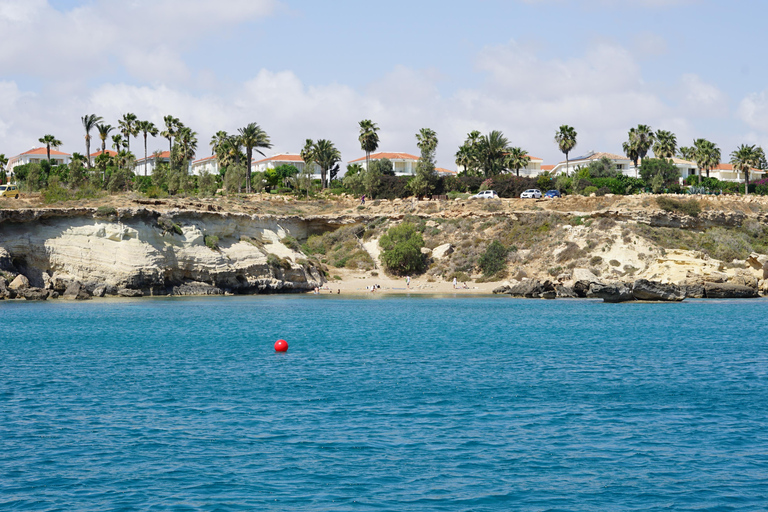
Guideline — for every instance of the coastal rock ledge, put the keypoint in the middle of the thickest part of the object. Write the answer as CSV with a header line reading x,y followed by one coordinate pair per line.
x,y
139,252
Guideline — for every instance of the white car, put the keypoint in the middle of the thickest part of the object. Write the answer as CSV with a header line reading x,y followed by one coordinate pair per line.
x,y
485,194
531,193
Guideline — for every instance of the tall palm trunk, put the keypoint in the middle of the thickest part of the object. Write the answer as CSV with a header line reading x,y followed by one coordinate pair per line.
x,y
248,157
145,153
88,149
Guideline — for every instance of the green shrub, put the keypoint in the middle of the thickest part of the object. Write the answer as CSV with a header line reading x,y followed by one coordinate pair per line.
x,y
690,207
590,190
461,277
212,242
494,259
291,243
168,226
402,249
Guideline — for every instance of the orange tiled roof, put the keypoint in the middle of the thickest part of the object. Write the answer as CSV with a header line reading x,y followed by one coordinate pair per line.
x,y
440,170
212,157
42,151
388,156
547,167
163,154
109,152
284,157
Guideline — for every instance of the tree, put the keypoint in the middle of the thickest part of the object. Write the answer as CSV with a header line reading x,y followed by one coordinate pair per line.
x,y
401,252
493,149
602,168
383,166
3,163
516,159
566,141
252,137
424,181
643,138
172,124
650,168
117,142
468,155
631,151
665,145
369,139
494,259
89,122
687,153
218,144
50,142
326,155
187,141
128,127
744,159
146,128
706,155
104,130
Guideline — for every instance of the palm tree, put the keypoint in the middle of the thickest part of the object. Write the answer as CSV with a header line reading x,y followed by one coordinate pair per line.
x,y
326,155
218,142
643,138
172,124
50,142
187,139
308,154
89,122
493,149
104,130
687,153
252,137
566,141
128,126
706,156
426,140
665,145
117,142
3,163
146,128
630,149
468,155
369,139
516,159
744,159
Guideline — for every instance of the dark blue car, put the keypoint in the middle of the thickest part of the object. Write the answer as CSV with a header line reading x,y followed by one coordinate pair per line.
x,y
552,193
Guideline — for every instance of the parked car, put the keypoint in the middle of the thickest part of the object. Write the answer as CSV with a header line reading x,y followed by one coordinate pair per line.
x,y
552,193
485,194
531,193
9,191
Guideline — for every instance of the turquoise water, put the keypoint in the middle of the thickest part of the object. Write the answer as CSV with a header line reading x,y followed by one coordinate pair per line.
x,y
383,404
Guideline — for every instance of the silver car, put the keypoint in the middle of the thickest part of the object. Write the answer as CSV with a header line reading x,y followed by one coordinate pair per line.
x,y
485,194
531,193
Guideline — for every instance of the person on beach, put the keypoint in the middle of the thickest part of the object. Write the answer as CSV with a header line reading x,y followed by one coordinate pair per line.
x,y
408,282
454,283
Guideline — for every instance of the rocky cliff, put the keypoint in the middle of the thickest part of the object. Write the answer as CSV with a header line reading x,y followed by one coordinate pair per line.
x,y
186,252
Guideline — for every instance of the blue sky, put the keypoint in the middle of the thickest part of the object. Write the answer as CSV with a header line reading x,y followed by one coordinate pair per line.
x,y
308,69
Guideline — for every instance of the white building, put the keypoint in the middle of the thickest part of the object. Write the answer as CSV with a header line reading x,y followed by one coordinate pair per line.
x,y
403,164
208,164
37,155
726,172
144,167
622,163
284,159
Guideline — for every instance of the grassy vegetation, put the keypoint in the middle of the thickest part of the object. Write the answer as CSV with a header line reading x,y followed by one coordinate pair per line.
x,y
340,248
212,242
690,207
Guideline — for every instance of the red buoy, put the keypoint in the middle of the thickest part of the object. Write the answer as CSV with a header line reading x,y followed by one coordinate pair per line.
x,y
281,346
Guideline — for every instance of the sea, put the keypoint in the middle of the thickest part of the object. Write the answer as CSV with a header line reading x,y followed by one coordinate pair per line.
x,y
391,403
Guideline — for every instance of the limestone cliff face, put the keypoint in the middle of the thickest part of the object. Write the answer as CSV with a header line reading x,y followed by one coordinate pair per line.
x,y
134,248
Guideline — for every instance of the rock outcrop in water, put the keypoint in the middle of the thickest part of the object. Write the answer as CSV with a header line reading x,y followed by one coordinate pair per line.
x,y
134,252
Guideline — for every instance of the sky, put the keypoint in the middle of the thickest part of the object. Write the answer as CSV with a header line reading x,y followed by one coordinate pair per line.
x,y
308,69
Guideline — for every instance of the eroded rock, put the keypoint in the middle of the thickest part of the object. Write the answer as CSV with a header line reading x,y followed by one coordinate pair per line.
x,y
642,289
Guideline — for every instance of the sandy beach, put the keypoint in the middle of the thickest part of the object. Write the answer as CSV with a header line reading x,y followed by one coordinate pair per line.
x,y
353,282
